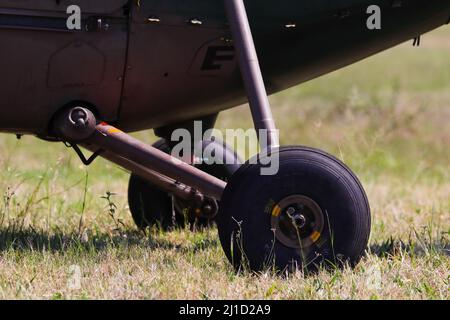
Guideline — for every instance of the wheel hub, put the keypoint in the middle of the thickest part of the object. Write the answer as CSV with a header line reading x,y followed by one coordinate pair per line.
x,y
298,221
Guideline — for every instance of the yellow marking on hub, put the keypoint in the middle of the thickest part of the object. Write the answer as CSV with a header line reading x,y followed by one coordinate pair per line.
x,y
315,236
276,211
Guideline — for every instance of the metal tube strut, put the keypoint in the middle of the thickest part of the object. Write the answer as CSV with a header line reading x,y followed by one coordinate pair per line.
x,y
117,142
251,72
164,183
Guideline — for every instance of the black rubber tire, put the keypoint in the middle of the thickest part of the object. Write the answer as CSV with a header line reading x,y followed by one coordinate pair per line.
x,y
149,206
244,220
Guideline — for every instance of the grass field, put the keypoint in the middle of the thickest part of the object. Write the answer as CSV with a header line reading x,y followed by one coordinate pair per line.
x,y
387,117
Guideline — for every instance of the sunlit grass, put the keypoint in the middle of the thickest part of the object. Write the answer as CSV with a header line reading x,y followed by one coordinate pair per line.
x,y
387,117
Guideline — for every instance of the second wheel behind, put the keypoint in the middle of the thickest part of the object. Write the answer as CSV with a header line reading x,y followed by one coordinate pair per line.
x,y
150,206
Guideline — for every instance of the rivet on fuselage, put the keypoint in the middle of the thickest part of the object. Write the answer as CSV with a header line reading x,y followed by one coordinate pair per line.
x,y
290,25
153,20
195,22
